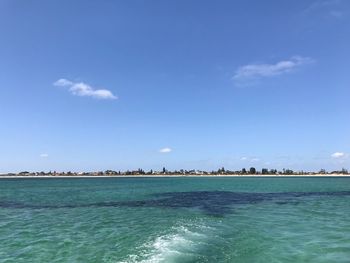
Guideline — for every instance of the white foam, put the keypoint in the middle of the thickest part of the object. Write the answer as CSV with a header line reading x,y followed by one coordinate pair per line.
x,y
180,243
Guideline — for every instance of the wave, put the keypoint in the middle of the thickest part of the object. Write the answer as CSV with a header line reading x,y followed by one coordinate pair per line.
x,y
181,244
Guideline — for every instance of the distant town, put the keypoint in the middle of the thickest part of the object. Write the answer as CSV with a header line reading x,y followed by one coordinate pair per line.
x,y
164,172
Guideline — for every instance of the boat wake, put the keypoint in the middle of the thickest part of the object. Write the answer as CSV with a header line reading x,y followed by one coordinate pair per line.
x,y
181,244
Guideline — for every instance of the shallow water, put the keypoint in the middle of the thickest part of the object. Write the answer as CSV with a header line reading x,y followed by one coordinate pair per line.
x,y
175,220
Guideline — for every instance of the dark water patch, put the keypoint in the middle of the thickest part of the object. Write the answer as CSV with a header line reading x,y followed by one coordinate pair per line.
x,y
216,203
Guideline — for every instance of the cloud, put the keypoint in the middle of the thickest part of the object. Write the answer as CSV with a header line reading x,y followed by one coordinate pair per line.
x,y
44,155
250,159
325,7
63,83
253,160
254,71
321,4
339,155
165,150
83,89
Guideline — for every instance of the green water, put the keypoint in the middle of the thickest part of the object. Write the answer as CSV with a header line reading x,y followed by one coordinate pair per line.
x,y
175,220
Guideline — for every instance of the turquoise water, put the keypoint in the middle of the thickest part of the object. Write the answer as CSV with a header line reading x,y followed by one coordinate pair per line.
x,y
175,220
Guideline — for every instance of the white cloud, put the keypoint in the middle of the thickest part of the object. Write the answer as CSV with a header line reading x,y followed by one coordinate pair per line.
x,y
63,83
44,155
321,4
165,150
250,159
253,71
339,155
83,89
330,8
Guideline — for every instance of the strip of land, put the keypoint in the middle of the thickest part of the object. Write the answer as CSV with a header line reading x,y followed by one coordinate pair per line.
x,y
169,176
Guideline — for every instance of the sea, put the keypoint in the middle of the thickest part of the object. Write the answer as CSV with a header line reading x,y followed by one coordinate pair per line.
x,y
181,219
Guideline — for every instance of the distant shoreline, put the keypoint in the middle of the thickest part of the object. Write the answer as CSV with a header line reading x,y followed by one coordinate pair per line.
x,y
169,176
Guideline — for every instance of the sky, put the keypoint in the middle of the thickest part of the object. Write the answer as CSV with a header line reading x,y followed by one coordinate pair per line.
x,y
192,84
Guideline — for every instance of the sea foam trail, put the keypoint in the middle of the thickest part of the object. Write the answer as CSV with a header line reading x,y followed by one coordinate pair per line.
x,y
181,244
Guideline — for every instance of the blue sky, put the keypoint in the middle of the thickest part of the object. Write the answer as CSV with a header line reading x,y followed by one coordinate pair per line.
x,y
96,85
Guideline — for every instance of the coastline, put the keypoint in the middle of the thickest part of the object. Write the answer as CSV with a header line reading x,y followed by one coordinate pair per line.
x,y
170,176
